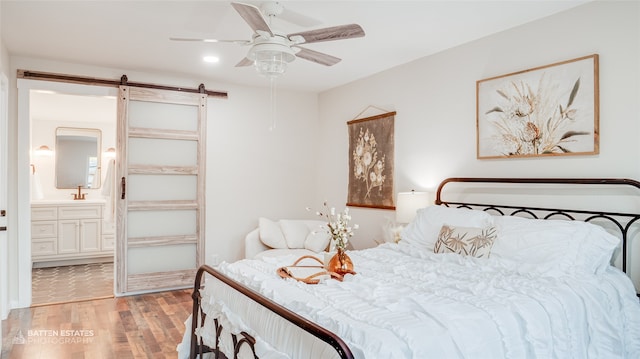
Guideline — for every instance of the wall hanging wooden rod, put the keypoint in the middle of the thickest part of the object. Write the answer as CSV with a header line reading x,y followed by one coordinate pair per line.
x,y
36,75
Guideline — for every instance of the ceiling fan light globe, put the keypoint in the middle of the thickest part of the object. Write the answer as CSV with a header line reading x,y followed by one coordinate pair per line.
x,y
270,64
271,59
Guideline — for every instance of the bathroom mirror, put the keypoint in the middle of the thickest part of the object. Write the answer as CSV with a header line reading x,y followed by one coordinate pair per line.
x,y
78,157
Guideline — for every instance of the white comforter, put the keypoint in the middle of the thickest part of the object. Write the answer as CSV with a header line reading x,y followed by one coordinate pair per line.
x,y
407,303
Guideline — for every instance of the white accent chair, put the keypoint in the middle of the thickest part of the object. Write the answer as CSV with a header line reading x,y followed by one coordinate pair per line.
x,y
297,237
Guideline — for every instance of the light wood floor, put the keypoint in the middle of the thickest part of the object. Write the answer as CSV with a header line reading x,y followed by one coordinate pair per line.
x,y
143,326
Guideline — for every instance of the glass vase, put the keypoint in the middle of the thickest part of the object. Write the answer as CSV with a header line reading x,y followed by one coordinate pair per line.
x,y
341,263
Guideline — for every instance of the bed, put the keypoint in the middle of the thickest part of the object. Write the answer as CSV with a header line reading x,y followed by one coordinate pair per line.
x,y
544,288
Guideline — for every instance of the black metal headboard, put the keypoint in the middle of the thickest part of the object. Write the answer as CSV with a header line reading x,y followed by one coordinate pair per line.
x,y
623,221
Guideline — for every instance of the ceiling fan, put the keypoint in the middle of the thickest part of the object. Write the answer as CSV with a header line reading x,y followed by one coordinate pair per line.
x,y
271,50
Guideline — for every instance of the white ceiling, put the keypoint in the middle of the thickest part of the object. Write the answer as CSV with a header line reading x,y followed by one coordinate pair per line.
x,y
134,35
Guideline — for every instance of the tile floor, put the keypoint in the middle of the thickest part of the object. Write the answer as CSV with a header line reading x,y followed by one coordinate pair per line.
x,y
71,283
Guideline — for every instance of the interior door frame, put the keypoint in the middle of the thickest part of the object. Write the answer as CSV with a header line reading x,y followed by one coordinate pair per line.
x,y
23,210
4,245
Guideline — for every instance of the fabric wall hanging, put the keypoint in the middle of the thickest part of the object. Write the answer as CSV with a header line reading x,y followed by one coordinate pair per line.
x,y
371,161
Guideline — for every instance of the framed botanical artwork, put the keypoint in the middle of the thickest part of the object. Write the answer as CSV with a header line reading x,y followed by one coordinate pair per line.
x,y
371,164
551,110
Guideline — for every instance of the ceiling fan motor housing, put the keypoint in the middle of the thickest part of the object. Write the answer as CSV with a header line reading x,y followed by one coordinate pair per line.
x,y
271,56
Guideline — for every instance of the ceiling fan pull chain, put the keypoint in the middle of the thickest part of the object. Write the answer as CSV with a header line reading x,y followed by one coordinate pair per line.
x,y
272,100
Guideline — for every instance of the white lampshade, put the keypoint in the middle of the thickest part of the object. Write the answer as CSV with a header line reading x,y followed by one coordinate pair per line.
x,y
408,203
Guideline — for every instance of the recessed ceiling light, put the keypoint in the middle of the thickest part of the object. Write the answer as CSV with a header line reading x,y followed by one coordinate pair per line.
x,y
211,59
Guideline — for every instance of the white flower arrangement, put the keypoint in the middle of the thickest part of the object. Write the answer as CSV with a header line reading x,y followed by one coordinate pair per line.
x,y
337,225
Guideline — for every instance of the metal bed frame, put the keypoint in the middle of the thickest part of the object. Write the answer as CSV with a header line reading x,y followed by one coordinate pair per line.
x,y
623,221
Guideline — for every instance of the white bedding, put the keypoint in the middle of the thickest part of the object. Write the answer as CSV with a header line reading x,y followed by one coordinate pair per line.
x,y
407,302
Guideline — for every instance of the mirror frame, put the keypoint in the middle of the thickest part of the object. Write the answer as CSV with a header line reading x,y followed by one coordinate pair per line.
x,y
85,132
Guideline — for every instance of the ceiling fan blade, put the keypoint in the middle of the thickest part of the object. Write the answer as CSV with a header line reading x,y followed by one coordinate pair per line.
x,y
328,34
240,42
252,15
244,62
317,57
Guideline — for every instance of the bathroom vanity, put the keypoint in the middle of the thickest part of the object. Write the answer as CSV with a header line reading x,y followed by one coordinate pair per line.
x,y
70,232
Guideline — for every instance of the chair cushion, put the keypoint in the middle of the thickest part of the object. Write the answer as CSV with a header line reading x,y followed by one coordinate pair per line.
x,y
294,233
271,233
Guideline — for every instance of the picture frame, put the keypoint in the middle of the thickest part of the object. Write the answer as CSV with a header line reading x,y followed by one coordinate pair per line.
x,y
551,110
371,162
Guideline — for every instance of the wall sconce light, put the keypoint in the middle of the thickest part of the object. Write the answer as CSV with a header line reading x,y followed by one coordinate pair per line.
x,y
408,203
43,150
110,152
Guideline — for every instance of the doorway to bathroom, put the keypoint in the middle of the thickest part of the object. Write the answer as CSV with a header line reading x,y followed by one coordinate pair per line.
x,y
72,161
143,242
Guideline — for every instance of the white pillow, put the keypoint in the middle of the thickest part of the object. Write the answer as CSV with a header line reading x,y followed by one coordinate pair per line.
x,y
467,241
318,238
295,232
271,234
553,247
423,230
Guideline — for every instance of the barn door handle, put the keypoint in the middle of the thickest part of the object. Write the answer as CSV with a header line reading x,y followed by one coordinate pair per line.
x,y
123,184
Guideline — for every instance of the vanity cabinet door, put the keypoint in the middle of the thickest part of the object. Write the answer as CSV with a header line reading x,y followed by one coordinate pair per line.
x,y
108,242
90,235
108,236
68,236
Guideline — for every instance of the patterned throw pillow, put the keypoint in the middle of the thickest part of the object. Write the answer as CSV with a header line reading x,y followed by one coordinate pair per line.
x,y
468,241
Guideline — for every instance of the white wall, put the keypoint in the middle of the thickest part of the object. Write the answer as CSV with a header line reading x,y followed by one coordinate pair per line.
x,y
435,102
4,54
253,172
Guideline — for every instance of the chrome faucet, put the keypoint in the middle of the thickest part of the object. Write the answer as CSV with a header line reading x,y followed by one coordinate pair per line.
x,y
79,195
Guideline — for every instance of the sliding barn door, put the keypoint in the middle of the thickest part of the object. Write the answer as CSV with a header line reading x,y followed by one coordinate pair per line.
x,y
160,189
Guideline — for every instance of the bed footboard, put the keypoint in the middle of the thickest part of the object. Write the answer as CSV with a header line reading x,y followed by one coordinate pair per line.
x,y
243,340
